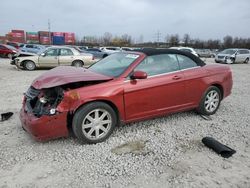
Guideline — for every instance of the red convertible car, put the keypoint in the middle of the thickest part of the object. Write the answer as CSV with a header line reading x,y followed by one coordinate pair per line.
x,y
124,87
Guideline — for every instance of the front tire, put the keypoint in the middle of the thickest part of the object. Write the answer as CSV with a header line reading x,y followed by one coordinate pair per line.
x,y
29,65
77,63
246,61
94,122
210,101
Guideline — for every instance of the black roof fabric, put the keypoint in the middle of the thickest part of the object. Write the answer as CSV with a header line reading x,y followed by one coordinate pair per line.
x,y
153,51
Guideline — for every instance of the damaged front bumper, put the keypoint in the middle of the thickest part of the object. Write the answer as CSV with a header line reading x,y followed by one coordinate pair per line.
x,y
39,115
46,127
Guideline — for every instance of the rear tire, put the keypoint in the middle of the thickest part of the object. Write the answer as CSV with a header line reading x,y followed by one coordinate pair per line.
x,y
29,65
210,101
94,122
77,63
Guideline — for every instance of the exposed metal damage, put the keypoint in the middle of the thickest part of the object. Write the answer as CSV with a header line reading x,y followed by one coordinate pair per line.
x,y
45,101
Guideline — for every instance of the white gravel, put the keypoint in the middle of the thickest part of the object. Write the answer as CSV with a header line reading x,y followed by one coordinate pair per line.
x,y
173,155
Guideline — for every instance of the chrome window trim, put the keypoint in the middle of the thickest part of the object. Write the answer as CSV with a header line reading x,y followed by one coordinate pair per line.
x,y
169,72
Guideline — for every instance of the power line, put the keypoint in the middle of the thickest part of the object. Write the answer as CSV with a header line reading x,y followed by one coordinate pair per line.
x,y
158,37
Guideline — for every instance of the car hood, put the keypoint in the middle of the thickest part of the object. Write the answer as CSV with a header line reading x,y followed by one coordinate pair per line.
x,y
226,54
64,75
26,53
26,56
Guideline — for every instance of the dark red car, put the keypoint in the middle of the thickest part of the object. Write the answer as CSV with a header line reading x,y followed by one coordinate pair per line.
x,y
122,88
7,51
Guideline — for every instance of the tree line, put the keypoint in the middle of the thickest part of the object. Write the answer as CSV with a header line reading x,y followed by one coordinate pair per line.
x,y
107,39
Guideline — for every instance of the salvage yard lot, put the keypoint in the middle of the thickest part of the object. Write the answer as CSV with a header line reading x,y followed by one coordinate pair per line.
x,y
170,152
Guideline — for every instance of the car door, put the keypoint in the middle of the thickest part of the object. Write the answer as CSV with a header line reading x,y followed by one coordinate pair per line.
x,y
49,58
161,92
241,56
66,56
193,74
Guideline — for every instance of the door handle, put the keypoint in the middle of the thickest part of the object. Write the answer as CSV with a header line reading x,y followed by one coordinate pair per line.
x,y
176,77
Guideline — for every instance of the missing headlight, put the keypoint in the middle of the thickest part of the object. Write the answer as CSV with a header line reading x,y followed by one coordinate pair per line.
x,y
43,102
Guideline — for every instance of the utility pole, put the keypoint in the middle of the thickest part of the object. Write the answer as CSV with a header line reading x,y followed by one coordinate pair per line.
x,y
49,30
158,37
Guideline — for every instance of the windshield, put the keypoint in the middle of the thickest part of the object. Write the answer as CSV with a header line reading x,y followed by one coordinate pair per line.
x,y
115,64
228,51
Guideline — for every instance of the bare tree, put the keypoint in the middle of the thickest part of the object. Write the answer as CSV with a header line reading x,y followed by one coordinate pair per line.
x,y
228,41
173,40
107,38
126,39
186,39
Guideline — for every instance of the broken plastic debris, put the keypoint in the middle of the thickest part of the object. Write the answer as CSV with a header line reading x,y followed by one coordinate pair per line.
x,y
218,147
208,118
6,116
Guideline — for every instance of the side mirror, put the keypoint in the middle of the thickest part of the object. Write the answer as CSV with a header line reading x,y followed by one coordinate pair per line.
x,y
43,54
139,75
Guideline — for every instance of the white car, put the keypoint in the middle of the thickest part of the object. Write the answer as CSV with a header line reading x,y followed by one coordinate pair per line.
x,y
186,49
233,55
111,49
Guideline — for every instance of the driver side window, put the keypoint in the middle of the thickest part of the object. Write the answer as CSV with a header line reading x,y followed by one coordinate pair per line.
x,y
159,64
52,52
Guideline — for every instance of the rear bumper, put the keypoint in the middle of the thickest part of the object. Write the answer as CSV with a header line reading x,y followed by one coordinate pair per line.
x,y
46,127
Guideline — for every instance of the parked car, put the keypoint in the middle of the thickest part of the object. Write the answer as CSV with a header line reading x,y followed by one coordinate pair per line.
x,y
97,53
233,55
55,56
83,47
204,53
186,49
20,54
121,88
127,49
7,50
110,50
32,48
14,44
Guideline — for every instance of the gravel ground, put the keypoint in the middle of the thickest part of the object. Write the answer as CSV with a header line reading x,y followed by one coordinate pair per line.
x,y
163,152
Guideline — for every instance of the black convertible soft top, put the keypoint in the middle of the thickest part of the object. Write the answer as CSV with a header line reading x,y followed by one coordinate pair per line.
x,y
153,51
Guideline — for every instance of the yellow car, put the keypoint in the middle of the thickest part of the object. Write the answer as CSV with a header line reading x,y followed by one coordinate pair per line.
x,y
53,57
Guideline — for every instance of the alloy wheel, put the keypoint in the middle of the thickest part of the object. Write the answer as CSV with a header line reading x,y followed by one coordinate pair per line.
x,y
96,124
212,101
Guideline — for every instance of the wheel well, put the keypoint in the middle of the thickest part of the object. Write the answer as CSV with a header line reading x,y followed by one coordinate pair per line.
x,y
77,60
220,88
71,115
22,63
